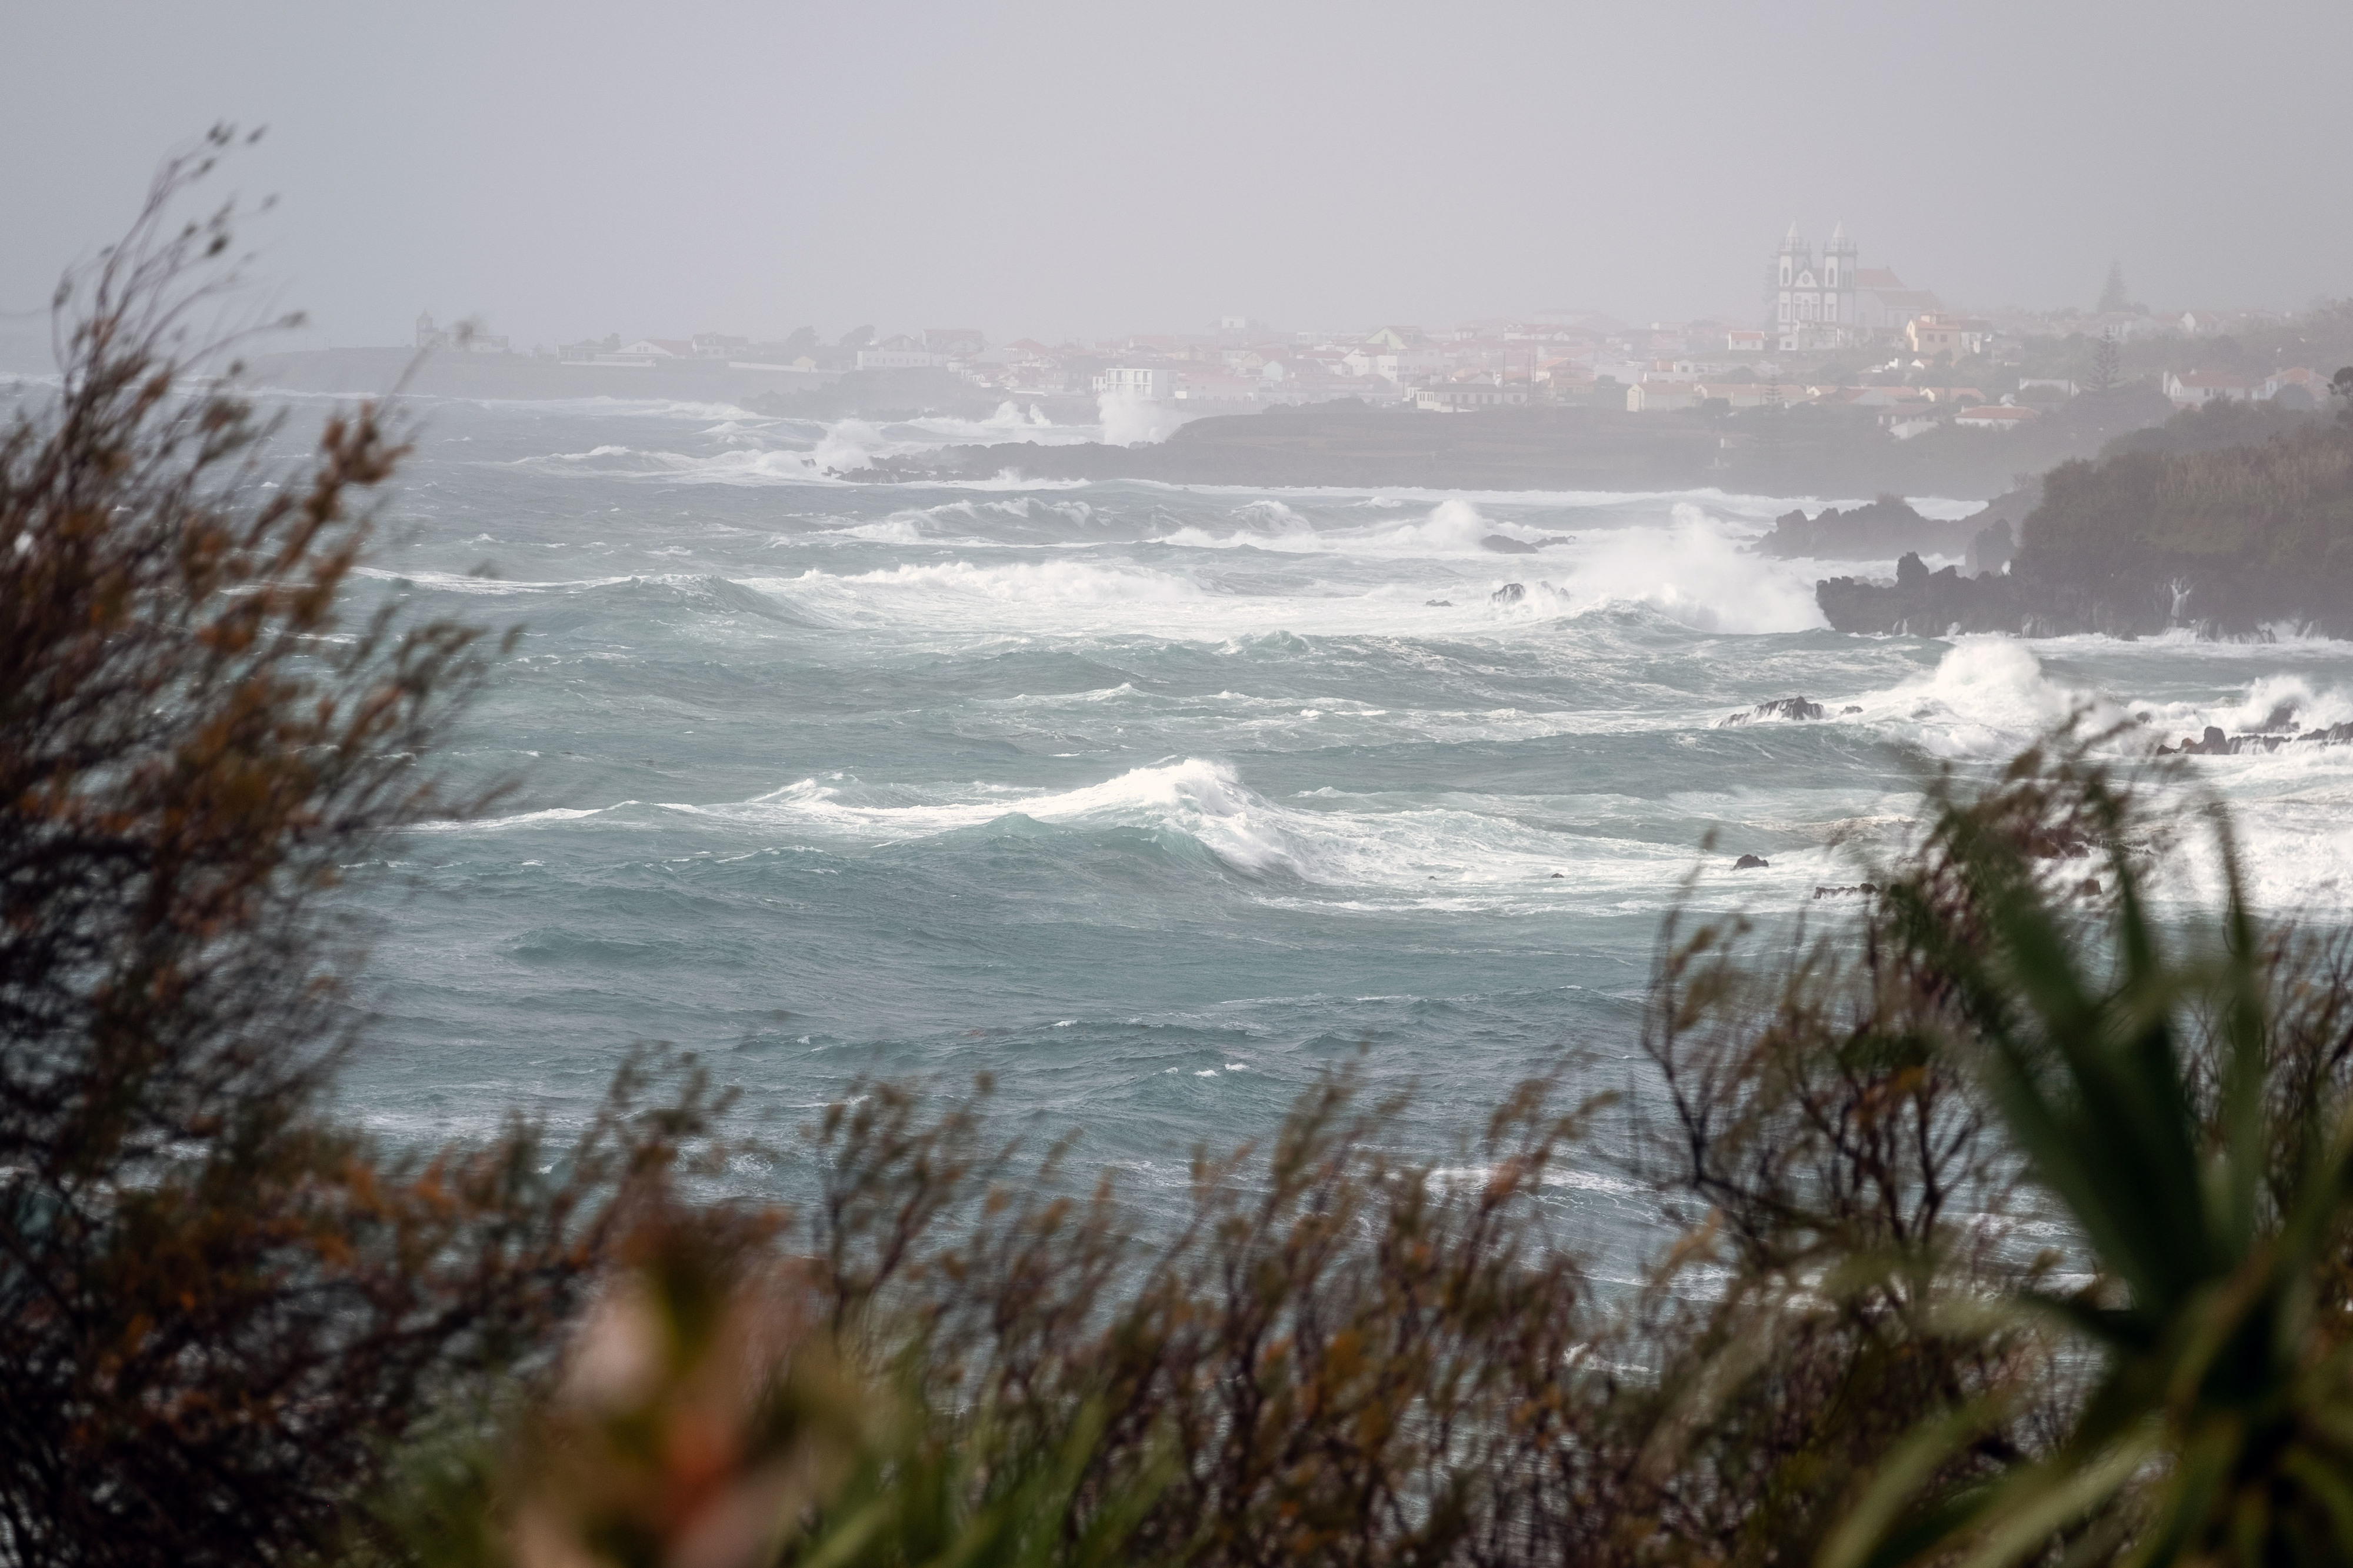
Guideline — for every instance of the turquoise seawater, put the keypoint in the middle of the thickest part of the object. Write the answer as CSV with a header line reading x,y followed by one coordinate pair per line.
x,y
1152,802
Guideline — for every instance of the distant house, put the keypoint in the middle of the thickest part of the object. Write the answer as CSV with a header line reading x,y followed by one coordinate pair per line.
x,y
1462,396
1883,304
644,351
1662,396
1744,341
1396,338
2199,388
1993,416
899,353
1218,391
717,345
2311,384
1751,393
1938,334
1154,384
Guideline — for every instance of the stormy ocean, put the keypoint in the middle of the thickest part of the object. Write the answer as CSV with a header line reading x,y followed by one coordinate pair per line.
x,y
1152,802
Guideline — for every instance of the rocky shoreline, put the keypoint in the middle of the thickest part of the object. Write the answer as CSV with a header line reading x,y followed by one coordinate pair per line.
x,y
2175,529
2280,729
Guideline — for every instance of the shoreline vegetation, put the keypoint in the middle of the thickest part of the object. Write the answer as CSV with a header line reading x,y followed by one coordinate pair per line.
x,y
2002,1221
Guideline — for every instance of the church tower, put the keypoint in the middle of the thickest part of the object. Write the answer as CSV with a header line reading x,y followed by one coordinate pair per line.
x,y
1796,256
1838,282
1814,306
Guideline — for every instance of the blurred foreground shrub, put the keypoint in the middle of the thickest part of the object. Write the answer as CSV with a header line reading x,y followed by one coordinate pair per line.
x,y
219,1307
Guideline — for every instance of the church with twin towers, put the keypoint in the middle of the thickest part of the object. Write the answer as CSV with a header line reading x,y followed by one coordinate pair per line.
x,y
1832,301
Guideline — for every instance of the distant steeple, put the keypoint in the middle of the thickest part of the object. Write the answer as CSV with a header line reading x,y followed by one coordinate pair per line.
x,y
1838,259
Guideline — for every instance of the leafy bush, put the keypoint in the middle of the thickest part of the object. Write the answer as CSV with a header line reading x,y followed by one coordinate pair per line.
x,y
218,1307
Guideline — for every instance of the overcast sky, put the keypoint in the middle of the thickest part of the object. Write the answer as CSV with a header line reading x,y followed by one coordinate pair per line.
x,y
558,171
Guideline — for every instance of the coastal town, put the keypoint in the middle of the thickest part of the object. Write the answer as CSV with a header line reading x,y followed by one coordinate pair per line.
x,y
1830,332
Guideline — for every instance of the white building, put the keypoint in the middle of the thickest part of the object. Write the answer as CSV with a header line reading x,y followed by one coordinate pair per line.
x,y
1835,303
1154,384
1957,340
2196,389
1993,416
1814,304
899,353
1462,396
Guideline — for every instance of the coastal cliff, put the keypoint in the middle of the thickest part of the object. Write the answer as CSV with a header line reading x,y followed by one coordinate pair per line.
x,y
2181,527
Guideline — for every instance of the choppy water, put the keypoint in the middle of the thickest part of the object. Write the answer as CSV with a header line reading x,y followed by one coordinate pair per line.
x,y
1150,801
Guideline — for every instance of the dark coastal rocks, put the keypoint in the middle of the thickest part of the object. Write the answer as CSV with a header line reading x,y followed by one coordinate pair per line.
x,y
1751,863
1921,603
1856,890
1504,544
1886,527
1992,549
2215,743
2227,521
1509,593
1777,708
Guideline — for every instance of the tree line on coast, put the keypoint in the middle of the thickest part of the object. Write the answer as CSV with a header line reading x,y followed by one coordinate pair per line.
x,y
2003,1221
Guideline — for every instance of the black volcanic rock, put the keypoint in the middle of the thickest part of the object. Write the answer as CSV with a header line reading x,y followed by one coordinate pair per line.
x,y
1504,544
2215,743
1777,708
1509,593
1886,528
2173,527
1921,603
1750,863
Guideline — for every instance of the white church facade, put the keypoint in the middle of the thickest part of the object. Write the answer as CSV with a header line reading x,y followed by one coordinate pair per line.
x,y
1830,303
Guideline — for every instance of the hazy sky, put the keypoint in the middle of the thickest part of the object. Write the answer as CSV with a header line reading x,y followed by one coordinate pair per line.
x,y
566,170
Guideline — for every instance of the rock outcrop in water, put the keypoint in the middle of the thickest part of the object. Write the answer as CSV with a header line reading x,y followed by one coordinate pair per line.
x,y
1777,708
2216,743
1921,603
